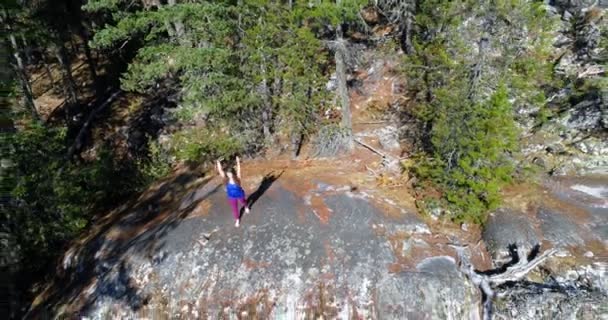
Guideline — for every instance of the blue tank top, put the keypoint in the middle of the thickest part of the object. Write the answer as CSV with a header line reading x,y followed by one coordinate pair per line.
x,y
235,191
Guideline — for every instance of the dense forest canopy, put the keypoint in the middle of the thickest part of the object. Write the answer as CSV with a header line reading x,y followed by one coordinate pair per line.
x,y
198,80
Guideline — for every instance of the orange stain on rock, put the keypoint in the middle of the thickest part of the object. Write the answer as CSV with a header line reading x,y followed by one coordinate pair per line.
x,y
329,252
201,209
252,264
320,209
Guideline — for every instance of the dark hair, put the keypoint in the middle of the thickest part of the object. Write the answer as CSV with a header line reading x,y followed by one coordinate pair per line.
x,y
231,170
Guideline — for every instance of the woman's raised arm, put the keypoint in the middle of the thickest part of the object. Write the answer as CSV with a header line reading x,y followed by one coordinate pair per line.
x,y
238,167
220,171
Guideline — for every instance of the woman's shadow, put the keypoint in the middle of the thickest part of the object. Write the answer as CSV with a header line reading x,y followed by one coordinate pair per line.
x,y
267,181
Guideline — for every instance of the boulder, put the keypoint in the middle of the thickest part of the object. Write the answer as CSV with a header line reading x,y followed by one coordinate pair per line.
x,y
587,115
560,229
435,291
551,303
505,228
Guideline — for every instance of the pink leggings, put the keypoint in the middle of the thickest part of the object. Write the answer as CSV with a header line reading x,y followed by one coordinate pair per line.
x,y
235,206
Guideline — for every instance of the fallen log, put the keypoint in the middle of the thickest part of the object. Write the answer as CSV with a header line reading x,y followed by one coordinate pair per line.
x,y
367,146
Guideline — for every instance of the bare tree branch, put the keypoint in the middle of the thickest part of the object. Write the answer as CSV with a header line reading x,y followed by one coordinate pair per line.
x,y
488,283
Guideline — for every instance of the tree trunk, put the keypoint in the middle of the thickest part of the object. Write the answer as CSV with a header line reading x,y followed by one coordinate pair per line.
x,y
340,56
406,36
267,104
49,74
27,50
489,283
476,71
66,68
74,10
19,67
401,13
78,142
296,143
84,35
92,65
25,85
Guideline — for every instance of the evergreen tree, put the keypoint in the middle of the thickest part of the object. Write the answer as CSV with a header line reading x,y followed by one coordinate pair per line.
x,y
281,48
249,66
467,118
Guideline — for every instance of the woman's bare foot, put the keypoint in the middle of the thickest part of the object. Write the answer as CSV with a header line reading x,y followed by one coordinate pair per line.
x,y
237,223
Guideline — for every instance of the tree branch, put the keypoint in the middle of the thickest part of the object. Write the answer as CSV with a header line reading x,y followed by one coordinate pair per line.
x,y
488,283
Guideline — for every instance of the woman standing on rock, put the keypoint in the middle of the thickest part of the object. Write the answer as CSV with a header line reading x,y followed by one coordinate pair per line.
x,y
234,191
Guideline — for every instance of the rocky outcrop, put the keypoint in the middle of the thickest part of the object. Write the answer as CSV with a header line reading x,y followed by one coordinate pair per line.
x,y
285,259
555,302
436,290
559,229
505,230
572,283
573,140
313,249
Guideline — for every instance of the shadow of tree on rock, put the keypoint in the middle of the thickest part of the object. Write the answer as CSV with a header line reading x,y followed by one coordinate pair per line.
x,y
100,265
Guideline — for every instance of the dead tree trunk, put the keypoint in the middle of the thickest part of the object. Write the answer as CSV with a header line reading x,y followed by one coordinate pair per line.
x,y
488,284
400,13
19,67
296,143
476,72
408,31
177,28
340,57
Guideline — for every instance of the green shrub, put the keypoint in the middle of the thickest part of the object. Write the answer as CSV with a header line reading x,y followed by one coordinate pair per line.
x,y
331,140
470,147
51,198
200,145
469,134
156,166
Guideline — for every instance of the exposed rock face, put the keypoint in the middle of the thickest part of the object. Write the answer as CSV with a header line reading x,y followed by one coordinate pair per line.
x,y
590,195
559,229
285,256
573,283
574,140
436,290
323,250
507,228
552,302
588,115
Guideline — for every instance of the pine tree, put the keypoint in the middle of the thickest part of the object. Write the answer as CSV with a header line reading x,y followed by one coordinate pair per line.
x,y
280,45
339,14
468,120
259,60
